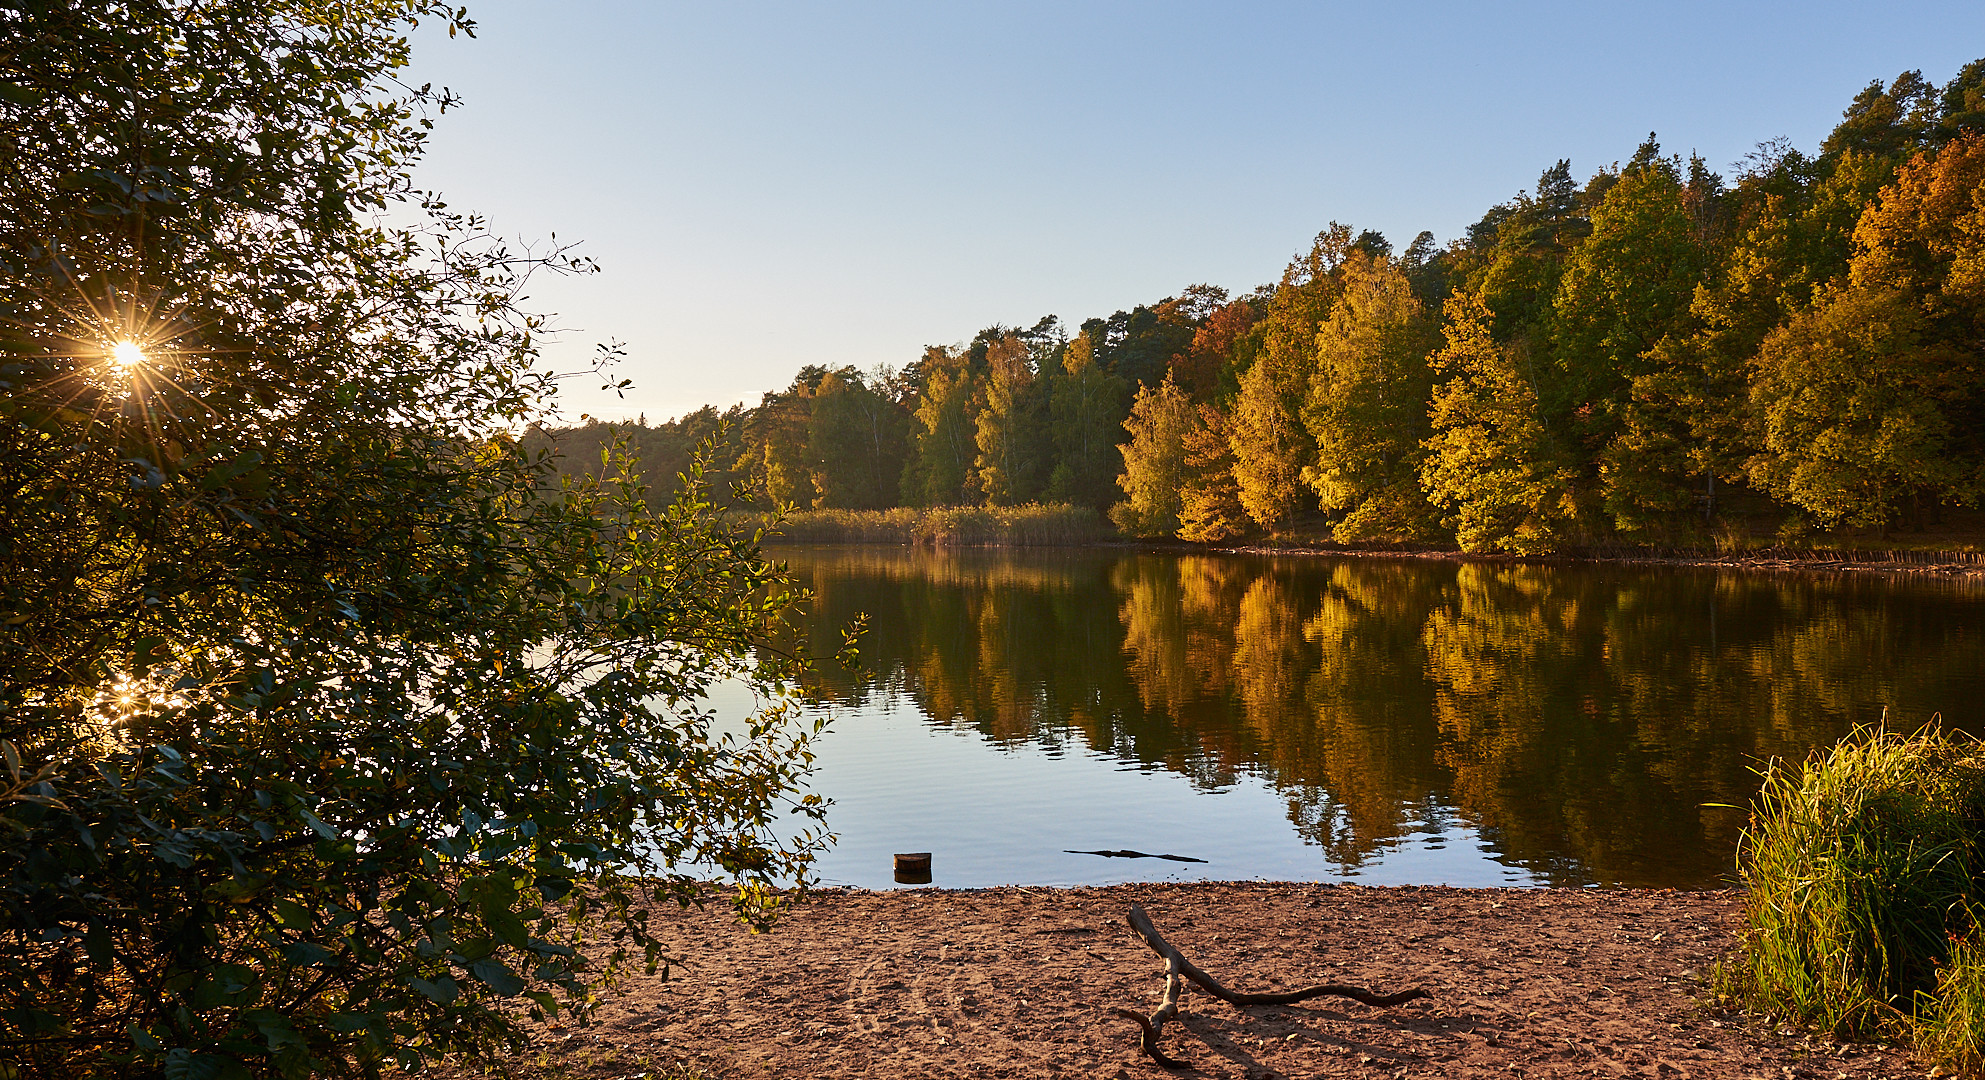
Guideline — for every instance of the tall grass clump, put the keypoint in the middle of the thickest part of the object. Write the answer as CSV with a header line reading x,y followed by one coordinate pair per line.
x,y
1950,1025
1862,872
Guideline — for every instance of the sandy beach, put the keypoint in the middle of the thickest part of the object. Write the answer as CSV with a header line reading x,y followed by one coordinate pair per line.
x,y
1020,982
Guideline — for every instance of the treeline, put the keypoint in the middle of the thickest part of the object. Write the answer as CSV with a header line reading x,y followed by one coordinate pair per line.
x,y
1640,356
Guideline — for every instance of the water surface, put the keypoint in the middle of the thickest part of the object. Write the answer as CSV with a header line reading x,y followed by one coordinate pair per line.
x,y
1315,718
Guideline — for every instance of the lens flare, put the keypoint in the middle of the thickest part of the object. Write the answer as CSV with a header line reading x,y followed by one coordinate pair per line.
x,y
127,354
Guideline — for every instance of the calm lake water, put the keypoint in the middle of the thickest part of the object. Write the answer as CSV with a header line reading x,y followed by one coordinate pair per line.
x,y
1377,721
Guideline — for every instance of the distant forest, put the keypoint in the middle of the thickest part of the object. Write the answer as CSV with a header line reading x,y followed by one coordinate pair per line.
x,y
1641,357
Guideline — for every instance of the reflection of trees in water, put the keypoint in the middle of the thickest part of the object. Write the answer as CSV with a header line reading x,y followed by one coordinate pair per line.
x,y
1579,716
1522,669
1592,716
1021,648
1364,731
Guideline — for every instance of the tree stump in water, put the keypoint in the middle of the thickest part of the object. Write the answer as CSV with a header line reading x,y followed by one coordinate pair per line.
x,y
1178,969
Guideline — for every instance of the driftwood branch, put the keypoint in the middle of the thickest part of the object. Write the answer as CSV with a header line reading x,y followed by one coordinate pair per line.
x,y
1178,969
1174,990
1128,854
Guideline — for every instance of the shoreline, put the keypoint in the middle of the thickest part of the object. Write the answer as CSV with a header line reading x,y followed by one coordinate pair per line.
x,y
1938,563
1022,981
1930,563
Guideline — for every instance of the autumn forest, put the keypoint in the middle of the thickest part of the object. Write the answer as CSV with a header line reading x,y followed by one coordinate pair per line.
x,y
1646,356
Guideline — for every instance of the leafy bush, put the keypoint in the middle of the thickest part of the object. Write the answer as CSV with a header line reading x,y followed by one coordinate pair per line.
x,y
328,734
1862,868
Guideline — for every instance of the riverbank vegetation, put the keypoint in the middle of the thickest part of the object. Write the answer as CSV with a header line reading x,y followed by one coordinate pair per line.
x,y
1864,903
1659,354
1032,525
331,734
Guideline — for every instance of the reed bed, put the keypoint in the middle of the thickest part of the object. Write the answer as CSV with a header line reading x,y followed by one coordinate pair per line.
x,y
1030,525
1864,896
897,526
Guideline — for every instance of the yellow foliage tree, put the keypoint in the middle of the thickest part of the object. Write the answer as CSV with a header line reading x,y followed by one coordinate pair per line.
x,y
1154,464
1502,479
1367,407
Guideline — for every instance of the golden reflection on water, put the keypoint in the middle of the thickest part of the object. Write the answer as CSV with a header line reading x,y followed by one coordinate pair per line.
x,y
1579,716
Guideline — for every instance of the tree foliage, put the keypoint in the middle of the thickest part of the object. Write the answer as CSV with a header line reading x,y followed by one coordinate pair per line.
x,y
1210,508
332,726
1271,447
1367,406
1086,406
1653,319
1852,428
1502,478
940,469
1154,467
857,438
1010,429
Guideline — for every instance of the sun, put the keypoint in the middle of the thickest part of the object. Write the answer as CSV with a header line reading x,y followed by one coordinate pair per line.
x,y
127,354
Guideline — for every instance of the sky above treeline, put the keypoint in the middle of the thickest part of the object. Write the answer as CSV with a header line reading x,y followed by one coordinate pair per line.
x,y
772,185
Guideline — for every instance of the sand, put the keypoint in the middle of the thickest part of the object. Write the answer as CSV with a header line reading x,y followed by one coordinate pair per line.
x,y
1019,982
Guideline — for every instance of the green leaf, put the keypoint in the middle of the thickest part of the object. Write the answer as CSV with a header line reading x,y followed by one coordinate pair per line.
x,y
307,954
497,975
290,914
443,990
184,1064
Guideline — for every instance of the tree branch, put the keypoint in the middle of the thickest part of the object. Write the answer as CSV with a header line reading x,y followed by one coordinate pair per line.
x,y
1178,969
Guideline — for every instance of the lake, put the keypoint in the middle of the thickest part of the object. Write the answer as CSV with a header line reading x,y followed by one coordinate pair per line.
x,y
1379,721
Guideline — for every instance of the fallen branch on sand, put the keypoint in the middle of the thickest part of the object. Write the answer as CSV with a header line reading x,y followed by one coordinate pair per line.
x,y
1178,969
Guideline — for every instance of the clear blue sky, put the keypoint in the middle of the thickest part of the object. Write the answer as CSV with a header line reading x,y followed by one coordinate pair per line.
x,y
770,185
